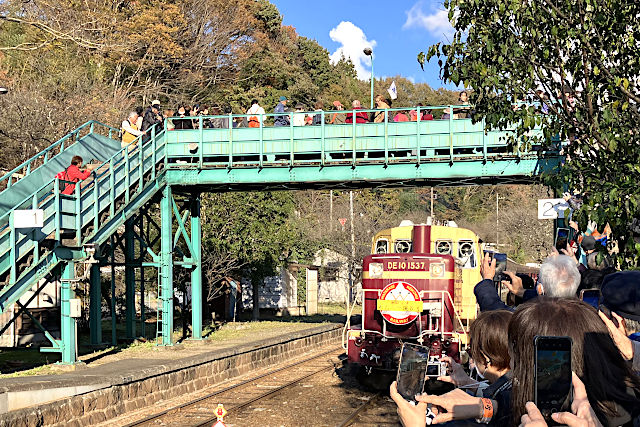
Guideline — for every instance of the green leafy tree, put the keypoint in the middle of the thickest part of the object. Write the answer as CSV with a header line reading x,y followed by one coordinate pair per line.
x,y
250,234
584,55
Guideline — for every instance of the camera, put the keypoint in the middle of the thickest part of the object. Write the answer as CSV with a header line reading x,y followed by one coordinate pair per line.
x,y
436,368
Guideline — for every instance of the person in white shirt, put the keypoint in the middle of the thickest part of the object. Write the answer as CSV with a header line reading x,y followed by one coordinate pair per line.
x,y
299,119
256,114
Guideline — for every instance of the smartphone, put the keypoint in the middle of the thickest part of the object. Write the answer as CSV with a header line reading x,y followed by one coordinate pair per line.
x,y
591,297
562,238
412,370
552,375
501,265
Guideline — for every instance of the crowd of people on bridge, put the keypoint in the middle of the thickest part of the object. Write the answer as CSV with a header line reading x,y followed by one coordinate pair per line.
x,y
140,121
605,350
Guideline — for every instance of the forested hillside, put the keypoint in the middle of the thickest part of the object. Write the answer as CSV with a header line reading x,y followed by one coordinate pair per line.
x,y
69,61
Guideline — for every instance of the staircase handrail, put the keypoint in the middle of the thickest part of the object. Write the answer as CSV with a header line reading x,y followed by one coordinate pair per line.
x,y
27,164
52,181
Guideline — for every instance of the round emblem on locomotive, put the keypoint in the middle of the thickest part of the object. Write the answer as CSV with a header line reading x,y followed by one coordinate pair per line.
x,y
400,303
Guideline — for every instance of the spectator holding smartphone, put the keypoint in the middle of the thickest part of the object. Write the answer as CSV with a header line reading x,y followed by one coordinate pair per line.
x,y
559,277
613,389
489,348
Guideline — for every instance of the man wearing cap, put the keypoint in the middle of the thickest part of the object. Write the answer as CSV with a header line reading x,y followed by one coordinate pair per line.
x,y
621,296
152,116
338,118
281,119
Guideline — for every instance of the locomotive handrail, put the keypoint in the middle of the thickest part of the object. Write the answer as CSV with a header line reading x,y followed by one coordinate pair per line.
x,y
422,292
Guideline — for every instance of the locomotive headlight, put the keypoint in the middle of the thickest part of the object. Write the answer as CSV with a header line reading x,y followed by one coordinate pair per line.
x,y
375,270
437,270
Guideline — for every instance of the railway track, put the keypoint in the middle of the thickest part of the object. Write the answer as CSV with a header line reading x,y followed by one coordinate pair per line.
x,y
199,412
352,418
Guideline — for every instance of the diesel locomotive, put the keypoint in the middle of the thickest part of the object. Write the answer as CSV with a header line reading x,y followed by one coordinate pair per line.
x,y
417,286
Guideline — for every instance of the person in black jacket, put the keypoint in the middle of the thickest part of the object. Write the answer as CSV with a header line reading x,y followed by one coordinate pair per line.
x,y
559,278
184,121
152,116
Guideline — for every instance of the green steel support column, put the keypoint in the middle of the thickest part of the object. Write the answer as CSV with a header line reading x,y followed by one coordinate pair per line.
x,y
142,253
130,279
196,273
166,265
68,323
114,336
95,306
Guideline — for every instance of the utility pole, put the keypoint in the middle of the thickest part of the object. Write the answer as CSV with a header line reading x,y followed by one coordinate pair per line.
x,y
432,203
497,216
353,249
331,210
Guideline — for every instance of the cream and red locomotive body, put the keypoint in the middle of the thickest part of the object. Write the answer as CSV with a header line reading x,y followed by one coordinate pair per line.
x,y
415,291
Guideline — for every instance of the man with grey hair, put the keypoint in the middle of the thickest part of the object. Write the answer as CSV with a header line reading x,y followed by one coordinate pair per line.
x,y
361,117
130,129
559,277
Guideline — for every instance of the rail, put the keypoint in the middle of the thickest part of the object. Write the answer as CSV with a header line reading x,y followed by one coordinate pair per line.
x,y
154,418
225,141
424,294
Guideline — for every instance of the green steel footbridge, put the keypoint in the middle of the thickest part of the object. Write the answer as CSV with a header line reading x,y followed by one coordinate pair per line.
x,y
47,236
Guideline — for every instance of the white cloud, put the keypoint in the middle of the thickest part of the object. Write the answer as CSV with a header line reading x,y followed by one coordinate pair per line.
x,y
353,41
412,79
436,21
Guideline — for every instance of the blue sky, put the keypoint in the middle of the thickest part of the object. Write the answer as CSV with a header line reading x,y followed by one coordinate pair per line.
x,y
397,30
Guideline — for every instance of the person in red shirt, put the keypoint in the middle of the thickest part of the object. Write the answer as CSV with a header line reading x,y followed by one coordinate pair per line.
x,y
74,174
401,117
361,117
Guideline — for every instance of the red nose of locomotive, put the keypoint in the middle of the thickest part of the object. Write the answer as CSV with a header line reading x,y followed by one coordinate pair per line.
x,y
407,297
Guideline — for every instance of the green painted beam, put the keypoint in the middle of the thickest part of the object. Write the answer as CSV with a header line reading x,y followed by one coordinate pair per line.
x,y
196,273
363,175
130,279
68,325
95,306
166,267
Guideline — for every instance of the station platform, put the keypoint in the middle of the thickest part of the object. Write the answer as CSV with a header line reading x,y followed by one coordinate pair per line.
x,y
97,392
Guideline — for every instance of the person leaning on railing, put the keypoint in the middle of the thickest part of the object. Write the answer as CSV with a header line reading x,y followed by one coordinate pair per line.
x,y
74,173
338,117
130,129
361,117
381,104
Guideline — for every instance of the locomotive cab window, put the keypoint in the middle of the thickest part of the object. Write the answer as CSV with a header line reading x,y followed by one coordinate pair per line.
x,y
443,247
382,246
467,253
402,246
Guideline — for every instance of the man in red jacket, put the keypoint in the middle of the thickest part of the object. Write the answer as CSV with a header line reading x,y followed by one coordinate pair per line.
x,y
74,174
360,117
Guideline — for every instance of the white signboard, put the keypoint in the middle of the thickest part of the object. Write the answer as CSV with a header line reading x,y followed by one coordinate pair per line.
x,y
552,208
28,218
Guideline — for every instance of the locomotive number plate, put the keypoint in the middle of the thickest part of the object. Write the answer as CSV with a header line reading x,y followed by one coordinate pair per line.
x,y
405,265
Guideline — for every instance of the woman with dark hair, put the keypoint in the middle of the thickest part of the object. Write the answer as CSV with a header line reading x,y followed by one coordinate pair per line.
x,y
490,353
613,390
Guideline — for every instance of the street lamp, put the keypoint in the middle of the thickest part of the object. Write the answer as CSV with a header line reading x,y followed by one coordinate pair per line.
x,y
369,52
3,90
